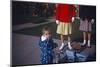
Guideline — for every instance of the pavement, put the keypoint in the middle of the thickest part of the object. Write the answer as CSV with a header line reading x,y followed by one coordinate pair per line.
x,y
26,51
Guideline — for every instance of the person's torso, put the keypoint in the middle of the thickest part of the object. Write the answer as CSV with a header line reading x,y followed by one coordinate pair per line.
x,y
64,12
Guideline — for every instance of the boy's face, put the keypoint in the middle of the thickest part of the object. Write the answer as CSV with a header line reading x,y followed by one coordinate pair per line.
x,y
47,34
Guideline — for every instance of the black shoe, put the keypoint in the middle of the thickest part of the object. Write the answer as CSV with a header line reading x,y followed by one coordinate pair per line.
x,y
83,45
89,46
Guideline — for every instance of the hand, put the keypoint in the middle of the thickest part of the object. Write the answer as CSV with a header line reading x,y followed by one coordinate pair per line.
x,y
92,21
57,22
43,38
73,19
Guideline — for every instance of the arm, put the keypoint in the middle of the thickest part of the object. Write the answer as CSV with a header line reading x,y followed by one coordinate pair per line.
x,y
73,11
57,13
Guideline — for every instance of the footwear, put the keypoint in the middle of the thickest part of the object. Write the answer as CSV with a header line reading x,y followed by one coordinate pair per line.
x,y
89,46
69,46
89,43
61,47
84,43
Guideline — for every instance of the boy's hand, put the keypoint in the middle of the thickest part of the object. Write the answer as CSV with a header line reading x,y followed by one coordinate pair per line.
x,y
73,19
57,21
43,38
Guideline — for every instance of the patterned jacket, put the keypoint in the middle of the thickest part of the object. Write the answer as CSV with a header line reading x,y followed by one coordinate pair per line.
x,y
47,47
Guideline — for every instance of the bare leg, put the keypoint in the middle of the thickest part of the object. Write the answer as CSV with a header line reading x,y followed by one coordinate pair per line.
x,y
62,38
69,44
69,38
89,37
84,37
62,41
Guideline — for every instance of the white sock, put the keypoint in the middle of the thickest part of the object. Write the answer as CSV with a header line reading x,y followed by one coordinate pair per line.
x,y
89,43
84,42
62,45
69,45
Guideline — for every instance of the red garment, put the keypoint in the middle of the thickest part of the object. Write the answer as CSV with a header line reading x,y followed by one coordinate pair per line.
x,y
65,12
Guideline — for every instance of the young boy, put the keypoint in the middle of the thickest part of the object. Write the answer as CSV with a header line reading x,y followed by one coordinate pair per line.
x,y
46,45
64,17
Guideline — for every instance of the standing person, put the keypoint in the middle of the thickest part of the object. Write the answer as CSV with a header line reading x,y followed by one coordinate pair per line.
x,y
46,45
87,16
64,17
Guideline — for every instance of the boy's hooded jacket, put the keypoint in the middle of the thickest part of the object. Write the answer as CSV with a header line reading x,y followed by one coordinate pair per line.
x,y
65,12
47,53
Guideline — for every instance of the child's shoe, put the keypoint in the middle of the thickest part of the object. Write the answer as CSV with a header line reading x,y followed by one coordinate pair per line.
x,y
69,46
84,43
89,44
61,47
